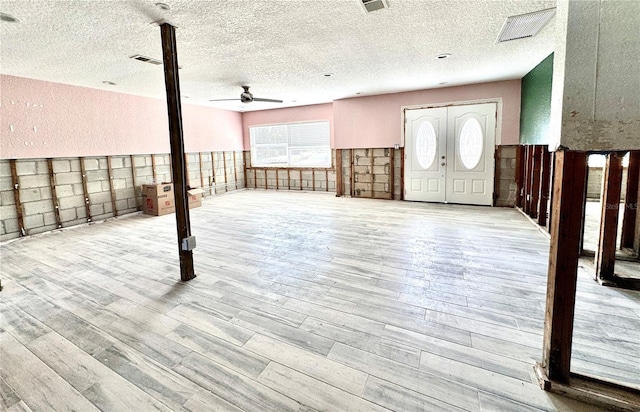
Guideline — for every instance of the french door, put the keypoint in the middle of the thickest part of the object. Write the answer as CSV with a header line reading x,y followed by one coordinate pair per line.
x,y
449,154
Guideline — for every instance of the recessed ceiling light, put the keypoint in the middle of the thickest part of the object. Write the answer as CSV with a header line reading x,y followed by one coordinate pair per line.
x,y
163,6
109,83
9,18
443,56
328,74
443,83
358,92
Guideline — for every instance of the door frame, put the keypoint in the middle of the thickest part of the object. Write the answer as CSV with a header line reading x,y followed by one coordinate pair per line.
x,y
498,136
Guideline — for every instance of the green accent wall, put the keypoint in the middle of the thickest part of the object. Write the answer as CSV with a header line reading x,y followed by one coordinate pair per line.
x,y
535,109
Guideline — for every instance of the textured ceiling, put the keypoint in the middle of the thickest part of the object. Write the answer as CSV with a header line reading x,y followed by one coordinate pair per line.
x,y
281,49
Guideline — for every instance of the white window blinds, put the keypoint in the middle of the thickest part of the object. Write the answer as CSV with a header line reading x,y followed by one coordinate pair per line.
x,y
291,145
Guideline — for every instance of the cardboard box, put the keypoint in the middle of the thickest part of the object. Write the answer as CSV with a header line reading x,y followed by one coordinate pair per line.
x,y
158,199
195,197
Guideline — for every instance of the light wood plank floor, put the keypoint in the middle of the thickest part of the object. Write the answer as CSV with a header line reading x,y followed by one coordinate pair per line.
x,y
303,302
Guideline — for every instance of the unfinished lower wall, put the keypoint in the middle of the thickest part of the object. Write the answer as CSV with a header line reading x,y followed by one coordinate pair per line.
x,y
38,195
505,184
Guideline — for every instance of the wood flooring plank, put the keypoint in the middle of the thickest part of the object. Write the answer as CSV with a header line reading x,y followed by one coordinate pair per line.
x,y
398,398
205,401
234,388
318,367
313,393
411,378
8,397
37,385
232,356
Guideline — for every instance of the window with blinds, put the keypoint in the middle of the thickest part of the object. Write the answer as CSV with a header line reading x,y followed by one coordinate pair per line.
x,y
291,145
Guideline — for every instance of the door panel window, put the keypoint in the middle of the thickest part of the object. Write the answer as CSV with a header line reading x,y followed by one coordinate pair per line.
x,y
426,145
471,143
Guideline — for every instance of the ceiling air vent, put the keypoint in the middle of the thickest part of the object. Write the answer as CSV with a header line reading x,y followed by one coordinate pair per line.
x,y
373,5
146,59
524,25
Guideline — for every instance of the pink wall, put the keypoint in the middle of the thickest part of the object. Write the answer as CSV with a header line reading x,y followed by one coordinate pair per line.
x,y
376,121
287,115
43,119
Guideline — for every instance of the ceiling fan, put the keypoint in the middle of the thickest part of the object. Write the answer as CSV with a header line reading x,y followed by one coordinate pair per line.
x,y
247,97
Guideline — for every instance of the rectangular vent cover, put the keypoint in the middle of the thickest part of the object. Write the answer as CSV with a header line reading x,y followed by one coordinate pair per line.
x,y
524,25
146,59
373,5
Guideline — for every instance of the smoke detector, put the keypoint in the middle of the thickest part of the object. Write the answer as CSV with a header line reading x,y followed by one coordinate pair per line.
x,y
373,5
524,25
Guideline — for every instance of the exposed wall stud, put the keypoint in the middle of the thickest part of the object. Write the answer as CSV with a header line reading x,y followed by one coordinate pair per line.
x,y
135,183
244,167
87,203
111,188
352,190
606,253
213,172
255,178
54,196
519,175
371,168
568,193
339,173
497,157
153,166
224,164
201,171
186,169
535,181
313,180
545,178
16,196
402,173
288,179
300,179
235,170
326,180
392,160
277,180
631,201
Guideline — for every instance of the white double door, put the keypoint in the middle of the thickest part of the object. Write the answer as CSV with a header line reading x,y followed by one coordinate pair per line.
x,y
449,154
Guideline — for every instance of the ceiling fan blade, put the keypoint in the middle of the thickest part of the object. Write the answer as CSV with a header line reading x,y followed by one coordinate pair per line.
x,y
259,99
222,100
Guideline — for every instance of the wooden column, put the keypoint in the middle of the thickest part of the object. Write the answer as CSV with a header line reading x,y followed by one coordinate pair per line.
x,y
606,254
339,172
186,242
568,193
552,175
631,201
519,178
16,197
535,181
545,178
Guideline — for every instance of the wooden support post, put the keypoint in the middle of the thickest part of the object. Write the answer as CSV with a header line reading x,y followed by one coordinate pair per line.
x,y
568,193
288,179
16,197
339,173
300,179
266,185
631,201
277,180
134,179
552,174
213,172
545,178
519,178
313,179
235,170
535,181
111,188
201,171
153,167
606,254
87,202
402,174
255,179
224,164
186,242
392,160
54,196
